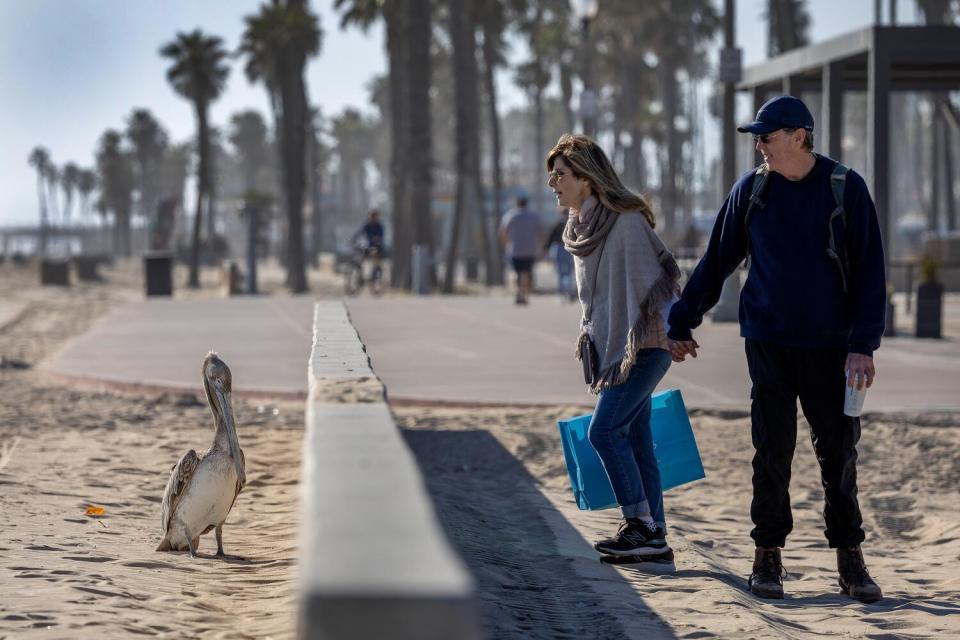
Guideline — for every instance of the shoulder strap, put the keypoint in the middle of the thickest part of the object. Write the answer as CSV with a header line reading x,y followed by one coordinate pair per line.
x,y
758,189
838,181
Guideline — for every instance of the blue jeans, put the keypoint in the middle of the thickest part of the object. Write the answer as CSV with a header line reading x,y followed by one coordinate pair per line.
x,y
563,262
620,433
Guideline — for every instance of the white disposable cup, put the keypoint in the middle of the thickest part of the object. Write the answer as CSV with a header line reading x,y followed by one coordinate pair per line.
x,y
853,398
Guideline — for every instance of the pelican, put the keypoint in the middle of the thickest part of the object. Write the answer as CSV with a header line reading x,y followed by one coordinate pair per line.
x,y
202,488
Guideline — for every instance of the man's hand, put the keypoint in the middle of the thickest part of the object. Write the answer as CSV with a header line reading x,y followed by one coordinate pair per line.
x,y
680,349
860,368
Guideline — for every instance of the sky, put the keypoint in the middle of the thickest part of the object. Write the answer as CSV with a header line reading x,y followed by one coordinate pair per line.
x,y
70,69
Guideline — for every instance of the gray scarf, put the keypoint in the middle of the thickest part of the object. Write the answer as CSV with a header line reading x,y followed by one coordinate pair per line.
x,y
636,281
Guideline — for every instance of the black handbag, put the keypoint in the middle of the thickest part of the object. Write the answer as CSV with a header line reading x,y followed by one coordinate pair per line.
x,y
588,351
588,358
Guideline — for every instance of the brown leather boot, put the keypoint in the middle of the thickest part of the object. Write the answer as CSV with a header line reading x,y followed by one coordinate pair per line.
x,y
766,581
855,581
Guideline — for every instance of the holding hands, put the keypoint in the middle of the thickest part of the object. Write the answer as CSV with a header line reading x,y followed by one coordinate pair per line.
x,y
680,349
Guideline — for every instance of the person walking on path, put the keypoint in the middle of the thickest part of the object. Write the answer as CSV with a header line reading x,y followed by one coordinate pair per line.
x,y
562,260
626,280
812,309
521,237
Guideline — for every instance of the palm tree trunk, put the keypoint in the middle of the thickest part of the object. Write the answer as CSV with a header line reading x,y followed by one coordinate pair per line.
x,y
211,200
395,15
123,222
252,231
495,270
316,222
203,135
459,31
294,129
420,144
53,204
294,187
668,182
42,196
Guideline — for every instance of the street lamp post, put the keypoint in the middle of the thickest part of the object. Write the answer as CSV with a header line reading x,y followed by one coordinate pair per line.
x,y
586,11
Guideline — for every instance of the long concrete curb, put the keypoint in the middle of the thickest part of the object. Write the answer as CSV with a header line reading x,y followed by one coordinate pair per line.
x,y
375,562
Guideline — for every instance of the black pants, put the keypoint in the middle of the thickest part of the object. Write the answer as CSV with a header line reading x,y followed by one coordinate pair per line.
x,y
780,375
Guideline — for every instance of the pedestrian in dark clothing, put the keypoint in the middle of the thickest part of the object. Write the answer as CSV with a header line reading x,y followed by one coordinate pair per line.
x,y
812,309
562,260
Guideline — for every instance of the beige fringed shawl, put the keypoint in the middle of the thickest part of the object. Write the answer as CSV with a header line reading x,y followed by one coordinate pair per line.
x,y
636,281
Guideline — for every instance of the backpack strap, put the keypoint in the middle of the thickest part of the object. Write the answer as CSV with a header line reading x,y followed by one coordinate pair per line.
x,y
838,181
758,189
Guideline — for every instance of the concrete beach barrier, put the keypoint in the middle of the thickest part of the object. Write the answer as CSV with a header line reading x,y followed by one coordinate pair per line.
x,y
374,560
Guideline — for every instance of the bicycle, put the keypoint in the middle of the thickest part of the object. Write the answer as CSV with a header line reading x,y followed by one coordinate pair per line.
x,y
353,278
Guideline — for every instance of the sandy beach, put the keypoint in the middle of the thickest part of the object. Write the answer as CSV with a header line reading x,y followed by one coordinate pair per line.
x,y
500,488
500,485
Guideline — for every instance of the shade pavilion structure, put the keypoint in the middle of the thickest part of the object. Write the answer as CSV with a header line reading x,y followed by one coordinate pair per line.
x,y
877,60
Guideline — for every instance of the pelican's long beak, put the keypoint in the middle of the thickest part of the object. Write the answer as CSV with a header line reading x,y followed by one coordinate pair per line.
x,y
226,409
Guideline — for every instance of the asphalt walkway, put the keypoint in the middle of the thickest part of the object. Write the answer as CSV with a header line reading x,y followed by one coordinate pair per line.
x,y
463,349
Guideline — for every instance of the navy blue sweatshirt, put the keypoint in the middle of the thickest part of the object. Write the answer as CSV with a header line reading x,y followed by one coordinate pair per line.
x,y
794,292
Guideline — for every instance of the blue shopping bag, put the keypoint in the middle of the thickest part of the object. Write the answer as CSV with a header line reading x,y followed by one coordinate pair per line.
x,y
674,446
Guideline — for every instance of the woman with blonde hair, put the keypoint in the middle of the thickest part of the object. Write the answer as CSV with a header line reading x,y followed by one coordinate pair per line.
x,y
626,281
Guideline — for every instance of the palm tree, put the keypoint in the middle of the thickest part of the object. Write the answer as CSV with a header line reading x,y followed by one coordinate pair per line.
x,y
408,40
623,32
174,169
68,183
53,182
86,183
789,25
248,135
249,138
468,198
117,184
319,154
419,153
198,73
352,142
40,159
363,13
493,24
277,42
149,141
533,76
685,28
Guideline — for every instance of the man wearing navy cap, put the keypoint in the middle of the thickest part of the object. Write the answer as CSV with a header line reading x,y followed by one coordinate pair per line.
x,y
811,310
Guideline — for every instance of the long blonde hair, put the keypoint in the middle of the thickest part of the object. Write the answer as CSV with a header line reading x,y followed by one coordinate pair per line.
x,y
588,161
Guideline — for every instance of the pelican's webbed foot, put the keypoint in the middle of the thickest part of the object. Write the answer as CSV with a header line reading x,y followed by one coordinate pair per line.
x,y
220,553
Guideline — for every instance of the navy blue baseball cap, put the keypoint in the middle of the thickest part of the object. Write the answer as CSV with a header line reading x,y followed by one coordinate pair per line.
x,y
782,112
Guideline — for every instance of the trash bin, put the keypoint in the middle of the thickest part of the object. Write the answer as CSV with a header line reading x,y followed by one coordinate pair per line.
x,y
158,274
86,266
55,272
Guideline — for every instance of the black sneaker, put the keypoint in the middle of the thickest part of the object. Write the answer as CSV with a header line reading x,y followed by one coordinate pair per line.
x,y
657,562
766,581
633,539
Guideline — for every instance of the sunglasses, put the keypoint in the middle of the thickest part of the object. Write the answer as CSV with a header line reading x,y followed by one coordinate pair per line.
x,y
765,138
